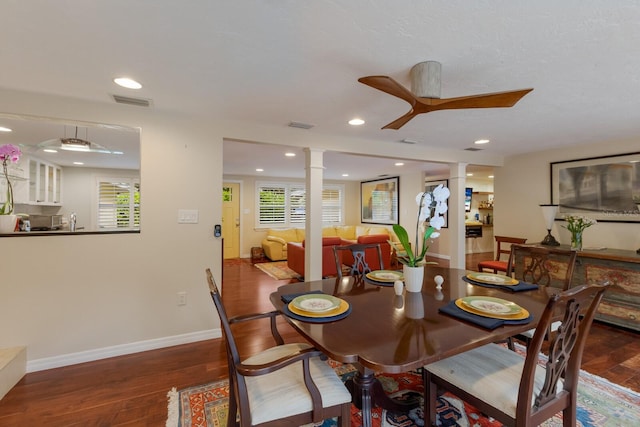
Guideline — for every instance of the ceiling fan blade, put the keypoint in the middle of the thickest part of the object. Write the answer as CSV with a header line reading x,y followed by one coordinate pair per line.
x,y
388,85
399,122
486,100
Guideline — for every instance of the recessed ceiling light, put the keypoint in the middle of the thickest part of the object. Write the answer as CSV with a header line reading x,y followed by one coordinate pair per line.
x,y
345,174
4,129
78,163
399,164
481,141
356,122
50,150
469,174
290,154
127,82
259,170
491,176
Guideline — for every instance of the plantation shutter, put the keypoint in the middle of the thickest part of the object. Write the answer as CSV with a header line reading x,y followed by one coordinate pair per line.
x,y
118,204
331,206
297,200
271,205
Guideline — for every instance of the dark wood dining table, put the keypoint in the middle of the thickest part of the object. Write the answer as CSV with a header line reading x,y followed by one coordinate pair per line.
x,y
388,333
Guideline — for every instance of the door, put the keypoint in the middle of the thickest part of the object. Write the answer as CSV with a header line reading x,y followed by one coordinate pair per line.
x,y
231,219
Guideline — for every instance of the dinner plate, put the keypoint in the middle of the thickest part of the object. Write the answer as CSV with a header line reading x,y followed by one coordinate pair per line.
x,y
385,275
492,279
485,304
315,303
342,307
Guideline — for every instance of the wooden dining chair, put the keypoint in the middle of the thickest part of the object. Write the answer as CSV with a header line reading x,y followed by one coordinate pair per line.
x,y
288,384
515,390
502,250
357,257
544,266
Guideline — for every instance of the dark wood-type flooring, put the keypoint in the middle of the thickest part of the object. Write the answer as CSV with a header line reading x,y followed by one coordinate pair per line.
x,y
131,390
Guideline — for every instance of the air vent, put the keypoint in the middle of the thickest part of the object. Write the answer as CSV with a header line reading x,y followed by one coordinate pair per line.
x,y
408,141
300,125
473,149
139,102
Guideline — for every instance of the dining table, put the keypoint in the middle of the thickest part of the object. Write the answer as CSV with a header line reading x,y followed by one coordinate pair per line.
x,y
384,331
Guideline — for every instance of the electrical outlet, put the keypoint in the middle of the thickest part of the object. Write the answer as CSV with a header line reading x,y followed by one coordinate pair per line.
x,y
182,298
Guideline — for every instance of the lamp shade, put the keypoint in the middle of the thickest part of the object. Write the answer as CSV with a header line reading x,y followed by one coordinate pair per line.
x,y
549,213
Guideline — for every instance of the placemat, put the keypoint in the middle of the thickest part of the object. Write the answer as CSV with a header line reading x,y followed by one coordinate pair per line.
x,y
486,322
522,286
289,313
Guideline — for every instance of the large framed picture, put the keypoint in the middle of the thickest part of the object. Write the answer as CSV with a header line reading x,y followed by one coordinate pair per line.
x,y
429,186
605,188
379,201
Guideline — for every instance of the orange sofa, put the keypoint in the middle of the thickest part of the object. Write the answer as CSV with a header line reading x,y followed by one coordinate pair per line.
x,y
295,253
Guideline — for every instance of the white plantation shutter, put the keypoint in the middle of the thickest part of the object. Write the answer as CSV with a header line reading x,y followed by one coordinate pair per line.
x,y
283,204
118,203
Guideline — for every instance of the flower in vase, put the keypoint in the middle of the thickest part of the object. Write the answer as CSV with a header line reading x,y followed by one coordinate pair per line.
x,y
8,153
577,223
431,207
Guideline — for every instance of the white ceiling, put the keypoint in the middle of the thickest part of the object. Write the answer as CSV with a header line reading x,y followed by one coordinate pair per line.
x,y
273,62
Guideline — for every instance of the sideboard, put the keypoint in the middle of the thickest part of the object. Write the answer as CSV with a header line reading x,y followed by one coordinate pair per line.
x,y
621,303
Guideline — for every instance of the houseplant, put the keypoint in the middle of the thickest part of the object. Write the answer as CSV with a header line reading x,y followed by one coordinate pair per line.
x,y
8,153
431,207
576,225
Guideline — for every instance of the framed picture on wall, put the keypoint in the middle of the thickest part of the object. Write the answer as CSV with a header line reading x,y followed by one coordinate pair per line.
x,y
468,194
429,186
379,201
605,188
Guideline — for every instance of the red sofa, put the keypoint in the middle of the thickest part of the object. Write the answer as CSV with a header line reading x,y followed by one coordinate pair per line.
x,y
295,253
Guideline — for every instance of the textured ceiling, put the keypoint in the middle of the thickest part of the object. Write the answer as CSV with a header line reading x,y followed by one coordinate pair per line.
x,y
272,62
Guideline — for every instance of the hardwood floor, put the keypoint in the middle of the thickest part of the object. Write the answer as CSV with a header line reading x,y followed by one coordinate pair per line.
x,y
131,390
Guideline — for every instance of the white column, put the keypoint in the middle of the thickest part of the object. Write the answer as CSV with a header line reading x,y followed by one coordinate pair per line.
x,y
313,212
457,183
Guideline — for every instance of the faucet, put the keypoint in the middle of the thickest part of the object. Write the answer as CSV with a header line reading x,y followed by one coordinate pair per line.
x,y
72,221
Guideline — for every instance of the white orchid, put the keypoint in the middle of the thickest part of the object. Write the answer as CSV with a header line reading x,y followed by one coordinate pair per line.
x,y
431,207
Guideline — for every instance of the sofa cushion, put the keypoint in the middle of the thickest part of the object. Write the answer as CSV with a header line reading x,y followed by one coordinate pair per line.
x,y
299,234
328,241
373,238
287,234
329,231
347,232
377,230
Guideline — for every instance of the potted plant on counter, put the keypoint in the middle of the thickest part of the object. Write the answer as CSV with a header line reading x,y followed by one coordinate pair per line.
x,y
8,153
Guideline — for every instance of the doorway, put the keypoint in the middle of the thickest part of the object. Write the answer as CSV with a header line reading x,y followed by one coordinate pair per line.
x,y
231,219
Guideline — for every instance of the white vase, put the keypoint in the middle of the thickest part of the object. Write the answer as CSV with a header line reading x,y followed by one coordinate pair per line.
x,y
413,277
8,223
414,305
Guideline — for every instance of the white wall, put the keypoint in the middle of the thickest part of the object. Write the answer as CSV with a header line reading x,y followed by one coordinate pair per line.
x,y
524,183
76,298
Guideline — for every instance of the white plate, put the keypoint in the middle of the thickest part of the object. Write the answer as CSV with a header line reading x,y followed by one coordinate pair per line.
x,y
316,303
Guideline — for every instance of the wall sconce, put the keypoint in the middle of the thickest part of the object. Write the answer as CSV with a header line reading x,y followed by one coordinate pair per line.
x,y
549,213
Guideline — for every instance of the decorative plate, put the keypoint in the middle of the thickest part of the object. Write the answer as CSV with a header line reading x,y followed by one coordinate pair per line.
x,y
492,279
385,275
315,303
492,307
343,307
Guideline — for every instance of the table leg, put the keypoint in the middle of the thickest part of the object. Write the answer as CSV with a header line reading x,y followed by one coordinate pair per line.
x,y
367,392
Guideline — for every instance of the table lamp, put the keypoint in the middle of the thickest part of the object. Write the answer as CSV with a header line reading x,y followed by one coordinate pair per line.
x,y
549,212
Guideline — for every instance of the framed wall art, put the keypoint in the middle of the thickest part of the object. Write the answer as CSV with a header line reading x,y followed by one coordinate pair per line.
x,y
379,201
429,186
605,188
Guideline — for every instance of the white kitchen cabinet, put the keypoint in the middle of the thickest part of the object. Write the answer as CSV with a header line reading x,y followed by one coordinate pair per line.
x,y
45,183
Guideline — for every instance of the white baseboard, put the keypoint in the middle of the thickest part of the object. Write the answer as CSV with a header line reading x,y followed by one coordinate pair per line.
x,y
440,256
120,350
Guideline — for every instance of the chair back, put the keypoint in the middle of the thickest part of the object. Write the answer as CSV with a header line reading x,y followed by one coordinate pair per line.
x,y
356,256
544,266
576,308
503,245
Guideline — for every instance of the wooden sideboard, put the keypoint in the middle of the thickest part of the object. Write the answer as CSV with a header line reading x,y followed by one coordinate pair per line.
x,y
621,303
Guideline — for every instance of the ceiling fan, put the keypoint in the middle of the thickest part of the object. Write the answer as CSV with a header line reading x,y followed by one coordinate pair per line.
x,y
424,96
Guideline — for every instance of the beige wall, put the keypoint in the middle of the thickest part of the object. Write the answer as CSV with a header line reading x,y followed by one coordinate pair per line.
x,y
523,184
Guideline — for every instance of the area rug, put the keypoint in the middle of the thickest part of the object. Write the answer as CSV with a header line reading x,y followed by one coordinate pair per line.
x,y
278,270
600,403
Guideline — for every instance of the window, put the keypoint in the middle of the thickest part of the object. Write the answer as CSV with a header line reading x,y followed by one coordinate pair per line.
x,y
283,204
118,203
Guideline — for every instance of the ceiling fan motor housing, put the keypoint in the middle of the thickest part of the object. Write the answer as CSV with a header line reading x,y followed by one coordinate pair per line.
x,y
425,79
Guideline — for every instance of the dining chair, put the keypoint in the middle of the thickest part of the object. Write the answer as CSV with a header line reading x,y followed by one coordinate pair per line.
x,y
517,390
544,266
355,257
288,384
502,248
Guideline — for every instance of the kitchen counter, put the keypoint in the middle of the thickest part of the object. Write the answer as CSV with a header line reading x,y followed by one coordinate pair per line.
x,y
39,233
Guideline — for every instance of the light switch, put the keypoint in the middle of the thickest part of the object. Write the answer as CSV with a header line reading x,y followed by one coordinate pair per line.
x,y
187,216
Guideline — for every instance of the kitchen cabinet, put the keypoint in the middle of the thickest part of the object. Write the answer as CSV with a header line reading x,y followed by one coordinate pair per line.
x,y
45,183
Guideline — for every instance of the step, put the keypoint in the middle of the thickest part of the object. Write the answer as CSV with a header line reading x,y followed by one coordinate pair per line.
x,y
13,365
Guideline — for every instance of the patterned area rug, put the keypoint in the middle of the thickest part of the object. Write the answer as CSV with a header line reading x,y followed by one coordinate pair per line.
x,y
278,270
600,403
